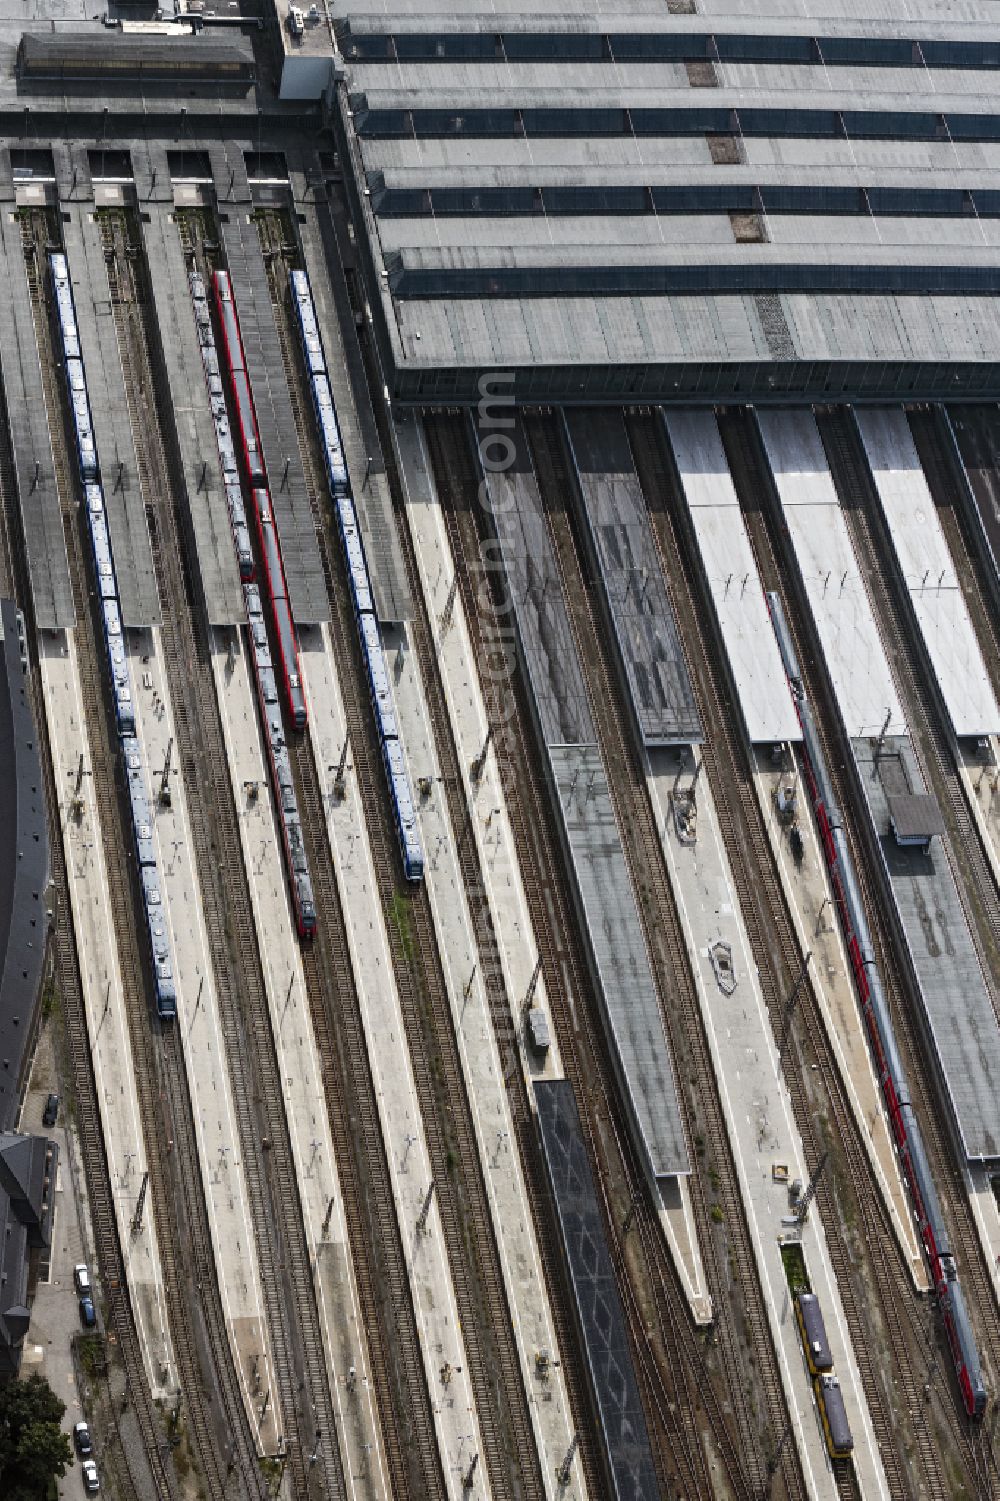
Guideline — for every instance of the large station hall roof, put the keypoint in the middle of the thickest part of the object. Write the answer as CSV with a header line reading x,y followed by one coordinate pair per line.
x,y
671,199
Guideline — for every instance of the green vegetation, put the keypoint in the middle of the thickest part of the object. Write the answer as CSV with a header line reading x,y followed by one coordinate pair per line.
x,y
715,1214
401,917
34,1452
90,1352
795,1267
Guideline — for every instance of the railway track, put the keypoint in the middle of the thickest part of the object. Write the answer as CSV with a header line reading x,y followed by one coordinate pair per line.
x,y
296,1341
671,1359
919,1351
134,1462
662,929
461,1196
161,1091
370,1211
926,717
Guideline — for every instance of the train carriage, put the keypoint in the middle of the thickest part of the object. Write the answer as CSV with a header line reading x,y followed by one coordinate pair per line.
x,y
227,319
159,942
812,1328
247,424
378,678
405,814
101,549
833,1415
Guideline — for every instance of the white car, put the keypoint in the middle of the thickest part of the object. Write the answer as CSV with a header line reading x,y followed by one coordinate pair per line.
x,y
91,1479
81,1276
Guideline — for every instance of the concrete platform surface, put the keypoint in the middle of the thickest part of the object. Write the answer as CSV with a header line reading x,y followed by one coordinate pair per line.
x,y
220,1150
760,1121
445,1361
483,1069
107,1024
460,675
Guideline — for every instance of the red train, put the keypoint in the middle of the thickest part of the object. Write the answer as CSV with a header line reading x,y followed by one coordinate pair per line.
x,y
277,592
273,582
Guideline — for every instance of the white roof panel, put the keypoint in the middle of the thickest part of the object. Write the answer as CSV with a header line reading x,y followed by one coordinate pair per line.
x,y
860,672
926,565
731,570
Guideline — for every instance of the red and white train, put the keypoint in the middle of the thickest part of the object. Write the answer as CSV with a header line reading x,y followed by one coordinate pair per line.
x,y
273,585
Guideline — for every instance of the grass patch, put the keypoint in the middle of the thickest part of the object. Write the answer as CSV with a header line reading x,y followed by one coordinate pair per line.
x,y
795,1267
51,1000
715,1214
401,917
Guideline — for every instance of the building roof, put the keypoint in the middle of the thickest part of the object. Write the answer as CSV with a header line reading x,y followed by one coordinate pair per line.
x,y
638,600
93,54
599,1312
560,189
915,815
730,571
838,596
24,870
928,574
27,1201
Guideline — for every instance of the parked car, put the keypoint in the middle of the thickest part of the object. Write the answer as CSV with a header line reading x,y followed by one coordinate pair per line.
x,y
81,1276
87,1315
91,1479
82,1440
51,1112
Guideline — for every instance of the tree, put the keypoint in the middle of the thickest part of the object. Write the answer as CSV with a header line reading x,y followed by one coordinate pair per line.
x,y
34,1451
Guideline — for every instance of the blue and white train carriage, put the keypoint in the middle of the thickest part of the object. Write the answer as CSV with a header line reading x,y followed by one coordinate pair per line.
x,y
338,481
112,635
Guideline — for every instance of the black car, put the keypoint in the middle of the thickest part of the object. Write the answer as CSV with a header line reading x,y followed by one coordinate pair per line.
x,y
51,1112
82,1440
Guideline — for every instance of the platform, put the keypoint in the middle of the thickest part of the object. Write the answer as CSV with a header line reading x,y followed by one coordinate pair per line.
x,y
628,564
482,1069
614,933
832,580
602,882
760,1121
442,1344
457,662
345,367
207,1068
189,421
928,573
960,1020
31,441
275,419
123,500
730,573
104,1003
317,1176
598,1304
